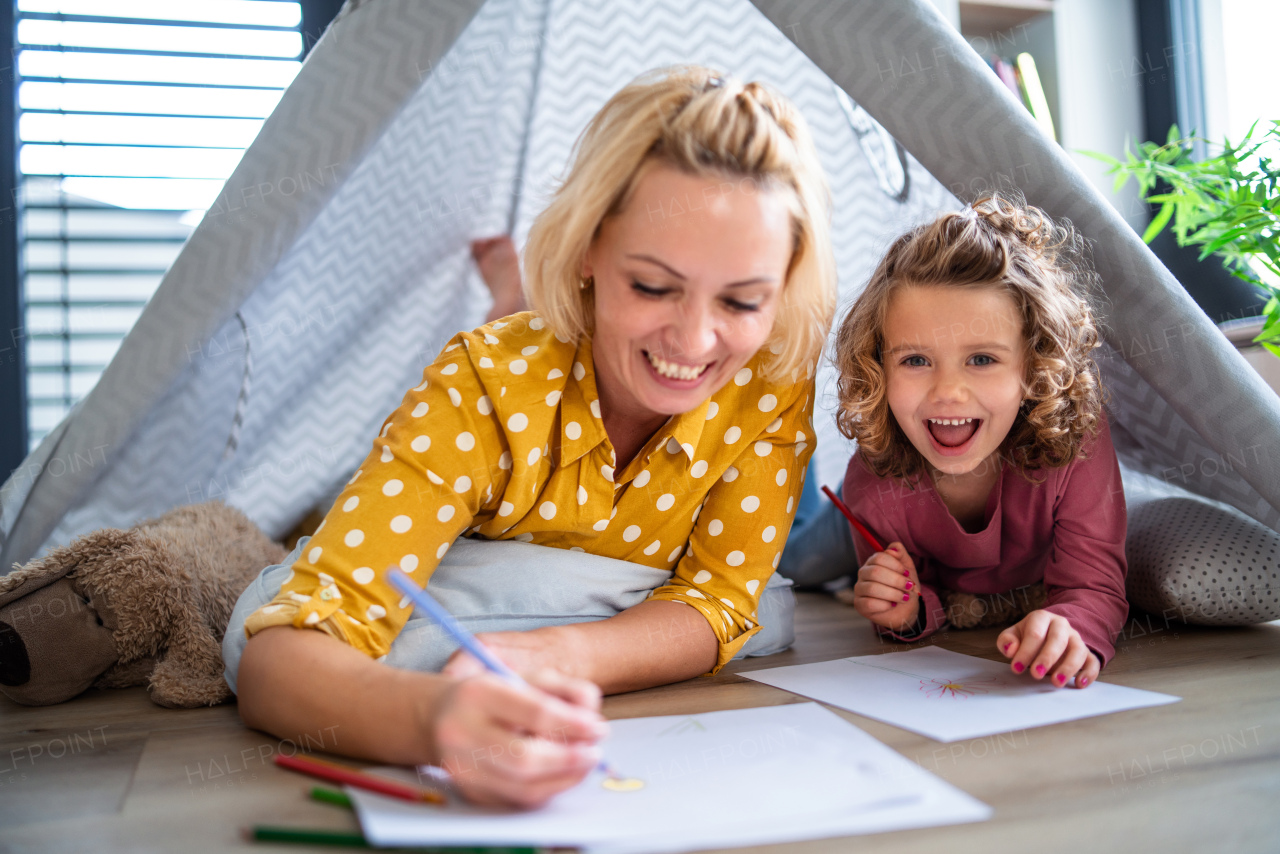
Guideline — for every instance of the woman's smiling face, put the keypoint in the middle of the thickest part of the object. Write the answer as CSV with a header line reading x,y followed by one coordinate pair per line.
x,y
954,355
688,277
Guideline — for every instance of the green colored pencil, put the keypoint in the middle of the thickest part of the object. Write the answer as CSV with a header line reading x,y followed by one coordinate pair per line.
x,y
349,838
331,796
354,839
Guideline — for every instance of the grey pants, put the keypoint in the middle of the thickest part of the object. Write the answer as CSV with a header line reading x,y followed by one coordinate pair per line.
x,y
506,586
820,546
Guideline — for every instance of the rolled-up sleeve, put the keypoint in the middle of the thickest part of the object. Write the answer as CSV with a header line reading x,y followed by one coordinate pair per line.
x,y
433,467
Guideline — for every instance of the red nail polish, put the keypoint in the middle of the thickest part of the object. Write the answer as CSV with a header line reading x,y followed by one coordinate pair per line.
x,y
1018,667
1083,680
1061,679
906,573
906,597
1005,648
1039,669
910,584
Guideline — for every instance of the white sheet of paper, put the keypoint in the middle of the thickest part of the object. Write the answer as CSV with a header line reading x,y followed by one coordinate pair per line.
x,y
740,777
948,696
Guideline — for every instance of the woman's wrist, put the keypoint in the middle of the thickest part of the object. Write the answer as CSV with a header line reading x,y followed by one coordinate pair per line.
x,y
427,694
569,652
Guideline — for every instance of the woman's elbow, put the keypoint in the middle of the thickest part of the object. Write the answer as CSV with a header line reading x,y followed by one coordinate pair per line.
x,y
262,652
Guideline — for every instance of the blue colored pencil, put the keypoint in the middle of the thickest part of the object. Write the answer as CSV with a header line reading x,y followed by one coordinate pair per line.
x,y
465,639
437,612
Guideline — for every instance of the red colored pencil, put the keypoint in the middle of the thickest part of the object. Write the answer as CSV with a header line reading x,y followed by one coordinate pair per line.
x,y
336,773
848,514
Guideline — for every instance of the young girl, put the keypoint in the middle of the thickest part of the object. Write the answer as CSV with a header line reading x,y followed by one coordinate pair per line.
x,y
984,459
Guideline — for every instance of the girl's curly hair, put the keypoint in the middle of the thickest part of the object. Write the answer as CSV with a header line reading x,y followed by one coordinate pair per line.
x,y
998,242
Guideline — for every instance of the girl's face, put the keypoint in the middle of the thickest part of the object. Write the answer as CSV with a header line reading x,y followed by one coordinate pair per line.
x,y
688,277
954,355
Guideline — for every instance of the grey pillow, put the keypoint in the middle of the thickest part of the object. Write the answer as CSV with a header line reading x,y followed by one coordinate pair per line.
x,y
1202,563
507,586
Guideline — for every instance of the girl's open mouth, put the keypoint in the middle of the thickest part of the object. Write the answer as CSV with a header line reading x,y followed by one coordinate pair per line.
x,y
952,436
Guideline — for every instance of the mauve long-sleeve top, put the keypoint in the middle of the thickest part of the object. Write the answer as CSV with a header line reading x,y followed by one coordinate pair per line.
x,y
1068,532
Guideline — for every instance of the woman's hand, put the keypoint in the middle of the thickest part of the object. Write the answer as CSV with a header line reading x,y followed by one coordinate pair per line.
x,y
512,745
1044,644
505,744
523,652
888,590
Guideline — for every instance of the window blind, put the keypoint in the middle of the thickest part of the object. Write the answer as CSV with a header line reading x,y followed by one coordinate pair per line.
x,y
130,116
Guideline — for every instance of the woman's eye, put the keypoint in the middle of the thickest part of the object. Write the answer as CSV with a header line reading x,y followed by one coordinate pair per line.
x,y
915,361
734,305
648,290
982,360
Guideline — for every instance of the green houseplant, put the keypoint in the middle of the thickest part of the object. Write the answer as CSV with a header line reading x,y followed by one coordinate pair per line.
x,y
1228,204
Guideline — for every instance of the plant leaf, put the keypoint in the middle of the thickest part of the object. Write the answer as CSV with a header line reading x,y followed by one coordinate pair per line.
x,y
1158,222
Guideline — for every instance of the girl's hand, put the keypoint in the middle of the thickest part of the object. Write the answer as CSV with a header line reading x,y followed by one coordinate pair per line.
x,y
511,745
1043,645
888,590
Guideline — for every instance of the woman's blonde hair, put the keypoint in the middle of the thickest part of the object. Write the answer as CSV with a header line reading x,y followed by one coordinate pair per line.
x,y
1002,243
705,124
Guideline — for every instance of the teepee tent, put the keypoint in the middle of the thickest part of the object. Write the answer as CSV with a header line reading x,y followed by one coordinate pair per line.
x,y
335,263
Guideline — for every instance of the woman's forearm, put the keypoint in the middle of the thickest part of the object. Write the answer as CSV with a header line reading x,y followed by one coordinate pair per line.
x,y
654,643
298,682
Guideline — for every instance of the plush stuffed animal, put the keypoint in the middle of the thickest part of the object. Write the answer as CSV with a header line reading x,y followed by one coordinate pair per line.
x,y
983,610
146,606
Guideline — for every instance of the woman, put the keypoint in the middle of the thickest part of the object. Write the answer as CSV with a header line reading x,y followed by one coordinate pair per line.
x,y
654,407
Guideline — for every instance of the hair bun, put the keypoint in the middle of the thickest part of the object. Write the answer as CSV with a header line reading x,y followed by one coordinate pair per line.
x,y
1025,223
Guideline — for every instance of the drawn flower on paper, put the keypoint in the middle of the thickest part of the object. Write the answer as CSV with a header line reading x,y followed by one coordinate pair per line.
x,y
686,725
939,688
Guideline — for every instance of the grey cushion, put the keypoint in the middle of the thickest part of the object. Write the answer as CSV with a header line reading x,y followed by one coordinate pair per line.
x,y
1202,563
508,586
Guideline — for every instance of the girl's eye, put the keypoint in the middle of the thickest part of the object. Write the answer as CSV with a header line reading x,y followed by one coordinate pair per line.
x,y
980,356
742,306
915,361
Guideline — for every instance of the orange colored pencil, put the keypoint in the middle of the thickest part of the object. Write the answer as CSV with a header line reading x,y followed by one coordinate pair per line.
x,y
335,773
848,514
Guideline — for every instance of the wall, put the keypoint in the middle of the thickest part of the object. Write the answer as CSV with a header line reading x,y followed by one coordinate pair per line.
x,y
1099,79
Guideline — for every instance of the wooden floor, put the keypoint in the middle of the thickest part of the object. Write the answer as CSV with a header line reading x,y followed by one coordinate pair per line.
x,y
109,771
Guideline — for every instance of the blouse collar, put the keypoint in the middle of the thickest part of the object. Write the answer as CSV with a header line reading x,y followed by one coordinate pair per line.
x,y
580,403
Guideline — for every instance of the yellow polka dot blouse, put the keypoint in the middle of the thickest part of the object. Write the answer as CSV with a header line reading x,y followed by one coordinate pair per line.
x,y
503,440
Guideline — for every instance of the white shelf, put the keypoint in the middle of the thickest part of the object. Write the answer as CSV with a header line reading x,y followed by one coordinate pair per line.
x,y
992,16
1085,51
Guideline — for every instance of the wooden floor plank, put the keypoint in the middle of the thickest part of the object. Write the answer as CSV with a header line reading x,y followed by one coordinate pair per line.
x,y
1202,774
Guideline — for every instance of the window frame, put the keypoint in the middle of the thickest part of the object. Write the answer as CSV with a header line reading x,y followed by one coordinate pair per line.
x,y
1169,39
13,373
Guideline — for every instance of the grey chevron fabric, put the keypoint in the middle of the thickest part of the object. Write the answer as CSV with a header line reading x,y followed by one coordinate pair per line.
x,y
1191,409
352,311
337,254
139,441
362,296
594,47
